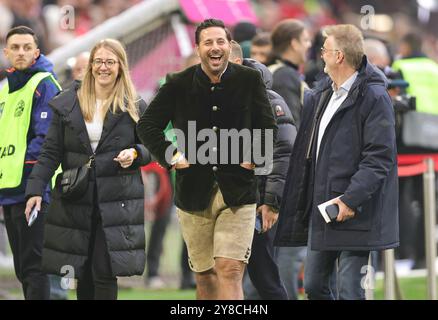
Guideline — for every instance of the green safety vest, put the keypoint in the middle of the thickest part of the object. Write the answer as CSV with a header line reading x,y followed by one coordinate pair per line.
x,y
15,117
422,75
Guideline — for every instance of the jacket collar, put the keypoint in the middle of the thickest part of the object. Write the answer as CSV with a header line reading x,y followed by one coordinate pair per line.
x,y
345,87
367,76
322,103
67,104
289,63
202,81
19,78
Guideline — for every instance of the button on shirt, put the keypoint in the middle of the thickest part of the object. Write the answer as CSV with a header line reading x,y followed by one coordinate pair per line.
x,y
338,97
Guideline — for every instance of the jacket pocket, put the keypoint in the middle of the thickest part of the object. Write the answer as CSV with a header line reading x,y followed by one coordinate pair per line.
x,y
338,187
187,182
362,219
245,170
182,171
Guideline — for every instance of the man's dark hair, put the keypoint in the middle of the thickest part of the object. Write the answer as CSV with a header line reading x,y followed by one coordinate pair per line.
x,y
22,30
244,31
261,39
284,33
208,23
414,41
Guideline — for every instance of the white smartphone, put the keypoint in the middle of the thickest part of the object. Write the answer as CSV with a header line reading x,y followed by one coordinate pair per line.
x,y
33,216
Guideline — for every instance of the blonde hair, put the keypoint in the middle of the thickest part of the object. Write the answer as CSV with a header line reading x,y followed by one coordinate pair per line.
x,y
349,40
123,97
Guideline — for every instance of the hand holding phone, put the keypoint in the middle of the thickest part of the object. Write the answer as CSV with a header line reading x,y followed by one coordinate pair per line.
x,y
32,204
259,223
332,211
32,217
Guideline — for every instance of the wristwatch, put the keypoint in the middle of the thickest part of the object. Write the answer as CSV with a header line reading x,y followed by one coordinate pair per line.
x,y
135,153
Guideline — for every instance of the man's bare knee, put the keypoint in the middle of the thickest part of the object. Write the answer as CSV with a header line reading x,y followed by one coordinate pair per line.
x,y
205,276
229,269
206,285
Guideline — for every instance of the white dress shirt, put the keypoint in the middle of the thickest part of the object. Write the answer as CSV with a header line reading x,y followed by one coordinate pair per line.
x,y
335,102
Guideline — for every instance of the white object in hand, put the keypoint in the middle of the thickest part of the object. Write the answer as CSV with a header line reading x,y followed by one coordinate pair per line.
x,y
33,216
322,207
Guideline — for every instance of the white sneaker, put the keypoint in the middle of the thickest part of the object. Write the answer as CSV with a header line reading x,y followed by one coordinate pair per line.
x,y
6,261
156,283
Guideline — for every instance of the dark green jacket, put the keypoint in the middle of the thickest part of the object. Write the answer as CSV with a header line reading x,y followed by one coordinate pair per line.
x,y
239,101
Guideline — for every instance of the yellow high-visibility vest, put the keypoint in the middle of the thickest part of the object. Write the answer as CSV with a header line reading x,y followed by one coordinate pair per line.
x,y
15,117
422,75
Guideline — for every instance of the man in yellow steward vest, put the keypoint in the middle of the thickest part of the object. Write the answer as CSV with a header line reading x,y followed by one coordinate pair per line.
x,y
420,71
24,120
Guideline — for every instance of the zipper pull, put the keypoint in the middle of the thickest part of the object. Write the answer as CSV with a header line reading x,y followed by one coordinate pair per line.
x,y
90,161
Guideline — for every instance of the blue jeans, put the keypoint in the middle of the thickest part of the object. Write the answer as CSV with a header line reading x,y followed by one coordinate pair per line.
x,y
320,266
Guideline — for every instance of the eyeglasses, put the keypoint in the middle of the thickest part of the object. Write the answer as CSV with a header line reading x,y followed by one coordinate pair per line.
x,y
324,50
109,63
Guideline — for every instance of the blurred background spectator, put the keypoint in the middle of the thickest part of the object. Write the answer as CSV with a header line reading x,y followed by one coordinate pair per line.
x,y
49,19
243,32
391,21
79,65
261,47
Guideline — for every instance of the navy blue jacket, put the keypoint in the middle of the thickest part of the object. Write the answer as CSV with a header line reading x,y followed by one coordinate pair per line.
x,y
357,158
39,125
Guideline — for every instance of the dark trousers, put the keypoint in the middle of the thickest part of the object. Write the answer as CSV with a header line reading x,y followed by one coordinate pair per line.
x,y
411,220
156,240
27,245
97,282
263,268
187,277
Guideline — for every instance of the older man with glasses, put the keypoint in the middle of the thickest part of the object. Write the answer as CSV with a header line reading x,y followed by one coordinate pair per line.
x,y
345,152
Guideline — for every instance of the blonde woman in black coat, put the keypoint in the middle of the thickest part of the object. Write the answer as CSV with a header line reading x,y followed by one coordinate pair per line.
x,y
99,234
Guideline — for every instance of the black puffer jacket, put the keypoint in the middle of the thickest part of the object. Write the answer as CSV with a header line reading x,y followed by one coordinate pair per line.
x,y
270,187
117,192
288,84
